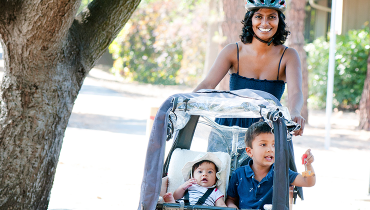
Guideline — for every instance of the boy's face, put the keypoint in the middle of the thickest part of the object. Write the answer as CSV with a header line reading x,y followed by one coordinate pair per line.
x,y
205,174
263,150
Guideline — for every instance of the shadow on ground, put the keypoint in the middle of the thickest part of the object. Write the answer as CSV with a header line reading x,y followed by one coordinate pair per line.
x,y
339,141
98,91
107,123
124,89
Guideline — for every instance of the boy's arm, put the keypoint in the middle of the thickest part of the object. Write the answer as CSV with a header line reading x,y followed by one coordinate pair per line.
x,y
309,181
179,192
231,202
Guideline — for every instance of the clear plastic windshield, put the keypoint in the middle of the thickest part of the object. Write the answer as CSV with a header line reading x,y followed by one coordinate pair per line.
x,y
242,107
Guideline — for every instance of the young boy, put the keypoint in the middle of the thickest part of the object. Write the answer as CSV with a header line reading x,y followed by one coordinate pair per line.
x,y
201,175
249,185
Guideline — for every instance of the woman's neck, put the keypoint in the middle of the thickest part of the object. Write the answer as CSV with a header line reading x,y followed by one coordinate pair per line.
x,y
268,42
260,47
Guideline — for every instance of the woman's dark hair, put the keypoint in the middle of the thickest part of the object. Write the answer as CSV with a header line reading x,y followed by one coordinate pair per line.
x,y
247,31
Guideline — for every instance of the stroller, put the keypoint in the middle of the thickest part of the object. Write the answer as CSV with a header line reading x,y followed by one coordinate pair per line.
x,y
187,122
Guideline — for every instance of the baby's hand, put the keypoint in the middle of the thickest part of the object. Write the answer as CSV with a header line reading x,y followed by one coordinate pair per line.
x,y
309,159
189,183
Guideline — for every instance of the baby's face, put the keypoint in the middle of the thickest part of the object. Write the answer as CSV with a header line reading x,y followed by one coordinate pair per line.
x,y
205,174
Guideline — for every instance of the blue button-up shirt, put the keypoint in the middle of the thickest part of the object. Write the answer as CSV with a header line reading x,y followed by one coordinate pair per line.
x,y
251,193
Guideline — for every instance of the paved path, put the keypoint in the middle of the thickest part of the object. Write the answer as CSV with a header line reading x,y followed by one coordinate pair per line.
x,y
102,157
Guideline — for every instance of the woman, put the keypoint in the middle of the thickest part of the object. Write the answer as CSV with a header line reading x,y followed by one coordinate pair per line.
x,y
260,61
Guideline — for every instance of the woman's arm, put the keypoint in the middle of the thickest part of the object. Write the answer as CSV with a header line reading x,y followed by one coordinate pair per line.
x,y
219,68
295,96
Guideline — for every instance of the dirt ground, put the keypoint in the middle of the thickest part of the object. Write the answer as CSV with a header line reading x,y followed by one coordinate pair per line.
x,y
342,171
103,153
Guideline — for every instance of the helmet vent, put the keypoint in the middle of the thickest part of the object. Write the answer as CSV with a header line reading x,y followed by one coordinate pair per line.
x,y
272,1
262,1
251,1
282,2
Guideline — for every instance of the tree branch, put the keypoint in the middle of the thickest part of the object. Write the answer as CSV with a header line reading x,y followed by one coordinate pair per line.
x,y
8,10
35,29
99,24
52,19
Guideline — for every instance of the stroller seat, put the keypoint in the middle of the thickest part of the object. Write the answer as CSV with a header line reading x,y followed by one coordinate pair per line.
x,y
181,156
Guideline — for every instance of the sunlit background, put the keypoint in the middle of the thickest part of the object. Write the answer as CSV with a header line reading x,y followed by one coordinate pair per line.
x,y
168,47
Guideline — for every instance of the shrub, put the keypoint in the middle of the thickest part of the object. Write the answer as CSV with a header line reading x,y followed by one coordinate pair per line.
x,y
164,42
142,52
350,69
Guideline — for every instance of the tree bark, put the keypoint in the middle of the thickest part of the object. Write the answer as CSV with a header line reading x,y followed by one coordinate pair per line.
x,y
295,20
365,101
48,52
213,26
234,12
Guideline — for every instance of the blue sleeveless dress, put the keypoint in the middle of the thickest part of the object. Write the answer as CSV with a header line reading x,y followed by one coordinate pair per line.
x,y
237,82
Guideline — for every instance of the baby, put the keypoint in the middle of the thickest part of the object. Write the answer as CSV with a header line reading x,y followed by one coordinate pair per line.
x,y
201,185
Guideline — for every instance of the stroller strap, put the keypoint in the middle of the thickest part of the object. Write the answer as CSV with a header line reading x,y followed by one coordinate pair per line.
x,y
201,200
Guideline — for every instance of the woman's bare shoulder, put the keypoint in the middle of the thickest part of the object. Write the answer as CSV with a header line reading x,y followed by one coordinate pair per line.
x,y
231,48
291,58
291,51
229,51
291,54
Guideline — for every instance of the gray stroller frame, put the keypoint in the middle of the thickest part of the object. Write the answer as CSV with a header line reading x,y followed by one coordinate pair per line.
x,y
178,117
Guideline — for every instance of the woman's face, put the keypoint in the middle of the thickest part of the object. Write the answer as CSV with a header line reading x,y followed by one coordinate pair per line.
x,y
265,23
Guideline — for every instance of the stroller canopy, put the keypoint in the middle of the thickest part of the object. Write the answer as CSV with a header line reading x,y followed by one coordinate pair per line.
x,y
176,112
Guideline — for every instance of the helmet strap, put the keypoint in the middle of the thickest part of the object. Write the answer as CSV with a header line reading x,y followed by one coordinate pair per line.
x,y
268,44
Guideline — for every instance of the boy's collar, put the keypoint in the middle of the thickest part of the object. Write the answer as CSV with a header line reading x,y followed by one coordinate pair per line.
x,y
250,173
248,169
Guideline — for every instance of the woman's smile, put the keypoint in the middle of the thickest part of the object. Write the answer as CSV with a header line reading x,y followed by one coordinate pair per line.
x,y
265,29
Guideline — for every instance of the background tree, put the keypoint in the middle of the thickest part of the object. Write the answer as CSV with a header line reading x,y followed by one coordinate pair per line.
x,y
365,101
350,69
163,43
48,52
295,19
146,50
213,34
234,12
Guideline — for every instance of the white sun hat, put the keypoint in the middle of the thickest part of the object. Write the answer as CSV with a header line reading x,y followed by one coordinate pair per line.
x,y
187,169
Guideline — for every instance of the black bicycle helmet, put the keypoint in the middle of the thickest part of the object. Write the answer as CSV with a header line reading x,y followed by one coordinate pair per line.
x,y
271,4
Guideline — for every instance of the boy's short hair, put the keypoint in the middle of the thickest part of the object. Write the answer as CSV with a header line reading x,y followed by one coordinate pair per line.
x,y
196,165
254,130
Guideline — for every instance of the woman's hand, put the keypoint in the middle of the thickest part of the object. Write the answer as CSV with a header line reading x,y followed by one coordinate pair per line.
x,y
301,121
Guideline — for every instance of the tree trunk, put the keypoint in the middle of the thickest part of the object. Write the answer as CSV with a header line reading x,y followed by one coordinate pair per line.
x,y
234,12
48,53
365,101
295,21
213,27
